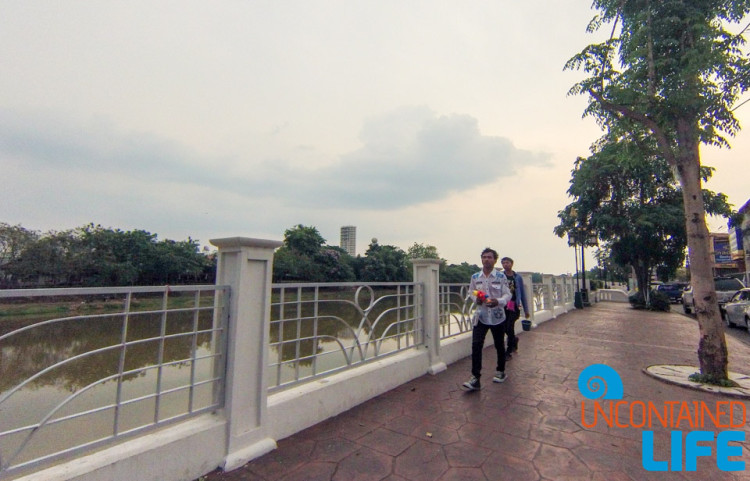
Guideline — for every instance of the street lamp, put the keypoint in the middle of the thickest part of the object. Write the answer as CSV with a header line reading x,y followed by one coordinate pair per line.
x,y
586,239
573,242
583,238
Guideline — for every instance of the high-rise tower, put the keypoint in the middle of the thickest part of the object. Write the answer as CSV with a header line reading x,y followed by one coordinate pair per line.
x,y
349,239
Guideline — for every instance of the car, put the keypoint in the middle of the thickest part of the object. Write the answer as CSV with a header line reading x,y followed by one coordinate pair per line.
x,y
673,290
737,309
725,289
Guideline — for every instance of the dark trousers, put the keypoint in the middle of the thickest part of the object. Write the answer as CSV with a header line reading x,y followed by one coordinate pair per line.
x,y
477,345
511,316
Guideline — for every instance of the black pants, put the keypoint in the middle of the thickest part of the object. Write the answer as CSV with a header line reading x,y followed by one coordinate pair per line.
x,y
477,345
511,316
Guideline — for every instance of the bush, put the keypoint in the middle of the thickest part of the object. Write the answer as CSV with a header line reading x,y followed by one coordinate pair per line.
x,y
659,301
637,301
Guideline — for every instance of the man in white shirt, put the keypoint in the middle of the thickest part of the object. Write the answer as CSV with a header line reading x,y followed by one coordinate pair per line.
x,y
490,291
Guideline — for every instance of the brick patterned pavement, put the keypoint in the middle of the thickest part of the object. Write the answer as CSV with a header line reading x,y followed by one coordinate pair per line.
x,y
528,428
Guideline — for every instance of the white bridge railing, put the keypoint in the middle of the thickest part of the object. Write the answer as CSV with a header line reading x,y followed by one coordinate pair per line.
x,y
295,355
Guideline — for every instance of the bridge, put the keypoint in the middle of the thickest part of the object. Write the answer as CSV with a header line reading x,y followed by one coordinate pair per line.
x,y
291,364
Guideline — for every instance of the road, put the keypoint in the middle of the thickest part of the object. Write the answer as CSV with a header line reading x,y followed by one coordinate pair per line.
x,y
739,333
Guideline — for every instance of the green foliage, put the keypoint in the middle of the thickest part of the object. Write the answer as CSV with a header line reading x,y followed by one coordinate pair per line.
x,y
303,240
97,256
713,380
385,263
659,301
421,251
626,193
305,258
674,72
458,273
637,300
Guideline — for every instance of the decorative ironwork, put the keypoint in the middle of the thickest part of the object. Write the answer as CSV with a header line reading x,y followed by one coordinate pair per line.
x,y
319,329
455,309
93,365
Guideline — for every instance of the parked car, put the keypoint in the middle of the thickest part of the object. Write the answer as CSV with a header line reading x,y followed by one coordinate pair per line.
x,y
725,289
737,309
673,290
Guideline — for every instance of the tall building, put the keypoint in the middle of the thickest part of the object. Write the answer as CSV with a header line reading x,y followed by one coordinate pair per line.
x,y
349,239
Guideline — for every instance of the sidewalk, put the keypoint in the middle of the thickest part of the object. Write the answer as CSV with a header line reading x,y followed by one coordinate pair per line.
x,y
528,428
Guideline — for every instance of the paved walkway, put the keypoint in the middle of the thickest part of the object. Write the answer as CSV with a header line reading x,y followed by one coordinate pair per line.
x,y
528,428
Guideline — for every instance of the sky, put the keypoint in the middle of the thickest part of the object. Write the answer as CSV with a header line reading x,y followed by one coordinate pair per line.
x,y
444,123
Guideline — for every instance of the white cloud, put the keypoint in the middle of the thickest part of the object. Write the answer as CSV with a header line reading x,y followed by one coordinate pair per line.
x,y
245,118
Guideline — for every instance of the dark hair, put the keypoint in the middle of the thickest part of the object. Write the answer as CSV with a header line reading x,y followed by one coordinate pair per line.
x,y
492,251
506,259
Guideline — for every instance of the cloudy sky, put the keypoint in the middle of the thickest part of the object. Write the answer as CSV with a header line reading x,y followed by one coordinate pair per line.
x,y
439,122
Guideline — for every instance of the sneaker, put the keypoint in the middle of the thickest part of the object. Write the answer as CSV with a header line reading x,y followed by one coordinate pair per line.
x,y
500,376
473,384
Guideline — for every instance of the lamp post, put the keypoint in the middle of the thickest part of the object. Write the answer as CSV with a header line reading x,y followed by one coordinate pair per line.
x,y
573,242
586,239
584,290
583,238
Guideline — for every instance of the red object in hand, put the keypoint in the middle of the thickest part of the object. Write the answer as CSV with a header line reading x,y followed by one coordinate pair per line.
x,y
480,295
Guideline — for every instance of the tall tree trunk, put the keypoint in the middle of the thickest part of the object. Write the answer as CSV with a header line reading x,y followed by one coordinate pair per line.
x,y
712,348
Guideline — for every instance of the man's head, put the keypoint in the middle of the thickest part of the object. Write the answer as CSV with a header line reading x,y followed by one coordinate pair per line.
x,y
489,258
507,263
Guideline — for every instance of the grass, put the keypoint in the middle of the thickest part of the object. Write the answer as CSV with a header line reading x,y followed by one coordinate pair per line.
x,y
712,380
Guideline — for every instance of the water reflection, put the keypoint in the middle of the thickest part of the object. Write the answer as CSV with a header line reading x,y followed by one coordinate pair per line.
x,y
315,329
43,363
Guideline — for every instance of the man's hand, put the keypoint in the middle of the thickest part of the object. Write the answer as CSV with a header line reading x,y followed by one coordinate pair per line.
x,y
491,302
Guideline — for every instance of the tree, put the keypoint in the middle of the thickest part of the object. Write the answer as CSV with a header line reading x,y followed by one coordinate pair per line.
x,y
306,241
678,74
458,273
626,194
92,255
305,258
385,263
13,241
421,251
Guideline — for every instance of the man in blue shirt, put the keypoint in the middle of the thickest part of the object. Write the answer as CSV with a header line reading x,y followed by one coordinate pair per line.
x,y
489,289
513,308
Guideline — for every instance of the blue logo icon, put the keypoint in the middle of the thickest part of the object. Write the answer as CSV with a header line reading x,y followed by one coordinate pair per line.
x,y
600,381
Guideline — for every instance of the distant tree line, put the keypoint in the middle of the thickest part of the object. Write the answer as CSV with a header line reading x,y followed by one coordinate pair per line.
x,y
92,255
305,257
96,256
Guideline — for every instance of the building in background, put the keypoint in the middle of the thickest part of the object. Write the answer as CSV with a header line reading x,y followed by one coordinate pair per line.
x,y
349,239
722,254
739,237
722,262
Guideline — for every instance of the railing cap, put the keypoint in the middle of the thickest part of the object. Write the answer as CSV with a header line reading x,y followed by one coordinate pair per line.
x,y
235,242
425,262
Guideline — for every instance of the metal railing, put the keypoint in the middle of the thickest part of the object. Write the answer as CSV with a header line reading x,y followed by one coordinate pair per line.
x,y
455,309
319,329
83,367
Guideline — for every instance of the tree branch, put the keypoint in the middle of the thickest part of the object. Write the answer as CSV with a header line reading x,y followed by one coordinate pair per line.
x,y
643,119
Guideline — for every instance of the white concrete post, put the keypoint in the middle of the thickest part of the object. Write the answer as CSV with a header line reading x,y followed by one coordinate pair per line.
x,y
427,272
528,290
568,283
560,287
549,296
245,265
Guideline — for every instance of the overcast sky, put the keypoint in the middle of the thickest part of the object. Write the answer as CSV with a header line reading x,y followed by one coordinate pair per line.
x,y
439,122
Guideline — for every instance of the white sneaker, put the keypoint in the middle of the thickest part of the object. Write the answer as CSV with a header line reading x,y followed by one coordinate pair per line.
x,y
500,376
472,384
